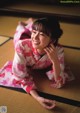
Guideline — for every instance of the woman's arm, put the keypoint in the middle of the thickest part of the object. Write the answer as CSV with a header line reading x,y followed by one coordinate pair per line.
x,y
46,103
52,54
25,80
19,69
57,72
23,27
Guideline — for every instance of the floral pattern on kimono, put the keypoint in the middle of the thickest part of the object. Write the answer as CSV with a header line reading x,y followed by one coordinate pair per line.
x,y
16,73
26,55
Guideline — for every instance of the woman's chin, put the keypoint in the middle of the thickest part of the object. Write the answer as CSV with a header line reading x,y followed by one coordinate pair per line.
x,y
37,46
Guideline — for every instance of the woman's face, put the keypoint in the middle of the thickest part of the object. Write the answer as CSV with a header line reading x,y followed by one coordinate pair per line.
x,y
39,40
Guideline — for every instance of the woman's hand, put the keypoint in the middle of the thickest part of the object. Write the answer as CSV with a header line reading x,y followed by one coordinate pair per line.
x,y
58,84
51,52
52,55
46,103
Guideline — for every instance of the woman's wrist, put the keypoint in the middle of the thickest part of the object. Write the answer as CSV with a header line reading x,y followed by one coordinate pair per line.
x,y
57,70
34,94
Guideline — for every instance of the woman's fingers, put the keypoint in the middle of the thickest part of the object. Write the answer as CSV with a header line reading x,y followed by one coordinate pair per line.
x,y
50,49
46,103
49,104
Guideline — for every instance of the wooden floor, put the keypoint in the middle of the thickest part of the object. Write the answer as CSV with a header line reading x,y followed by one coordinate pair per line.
x,y
8,24
18,102
46,8
3,39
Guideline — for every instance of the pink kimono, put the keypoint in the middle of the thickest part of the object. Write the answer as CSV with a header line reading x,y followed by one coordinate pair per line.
x,y
26,58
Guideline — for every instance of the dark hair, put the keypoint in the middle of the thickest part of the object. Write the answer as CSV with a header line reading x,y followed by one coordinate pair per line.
x,y
50,26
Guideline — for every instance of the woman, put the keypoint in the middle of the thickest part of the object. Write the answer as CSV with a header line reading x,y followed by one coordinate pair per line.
x,y
40,51
36,47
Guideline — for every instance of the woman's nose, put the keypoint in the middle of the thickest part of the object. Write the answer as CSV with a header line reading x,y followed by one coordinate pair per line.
x,y
37,35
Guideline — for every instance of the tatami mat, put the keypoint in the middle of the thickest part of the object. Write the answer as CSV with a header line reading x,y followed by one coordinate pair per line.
x,y
3,39
71,90
6,52
17,102
8,25
71,34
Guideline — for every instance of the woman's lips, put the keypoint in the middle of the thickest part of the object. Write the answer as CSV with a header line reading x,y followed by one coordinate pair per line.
x,y
36,43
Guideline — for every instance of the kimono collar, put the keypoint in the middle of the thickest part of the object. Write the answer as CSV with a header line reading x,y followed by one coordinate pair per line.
x,y
37,53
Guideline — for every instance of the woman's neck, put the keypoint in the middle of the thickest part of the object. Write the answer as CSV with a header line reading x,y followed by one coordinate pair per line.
x,y
41,52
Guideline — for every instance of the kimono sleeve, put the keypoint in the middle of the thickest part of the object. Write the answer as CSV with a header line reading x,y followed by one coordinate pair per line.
x,y
20,71
61,79
22,32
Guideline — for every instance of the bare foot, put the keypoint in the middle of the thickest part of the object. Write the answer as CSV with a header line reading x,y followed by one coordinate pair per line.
x,y
24,23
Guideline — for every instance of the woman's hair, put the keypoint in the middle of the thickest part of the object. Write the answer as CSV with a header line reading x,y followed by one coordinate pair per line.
x,y
50,26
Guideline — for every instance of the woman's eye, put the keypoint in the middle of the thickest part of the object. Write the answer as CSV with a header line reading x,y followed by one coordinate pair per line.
x,y
42,34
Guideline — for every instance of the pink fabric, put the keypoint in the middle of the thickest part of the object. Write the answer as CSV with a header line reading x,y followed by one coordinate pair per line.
x,y
20,30
16,73
6,76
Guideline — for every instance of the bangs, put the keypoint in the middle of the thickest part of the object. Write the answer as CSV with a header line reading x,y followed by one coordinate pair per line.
x,y
49,26
41,27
